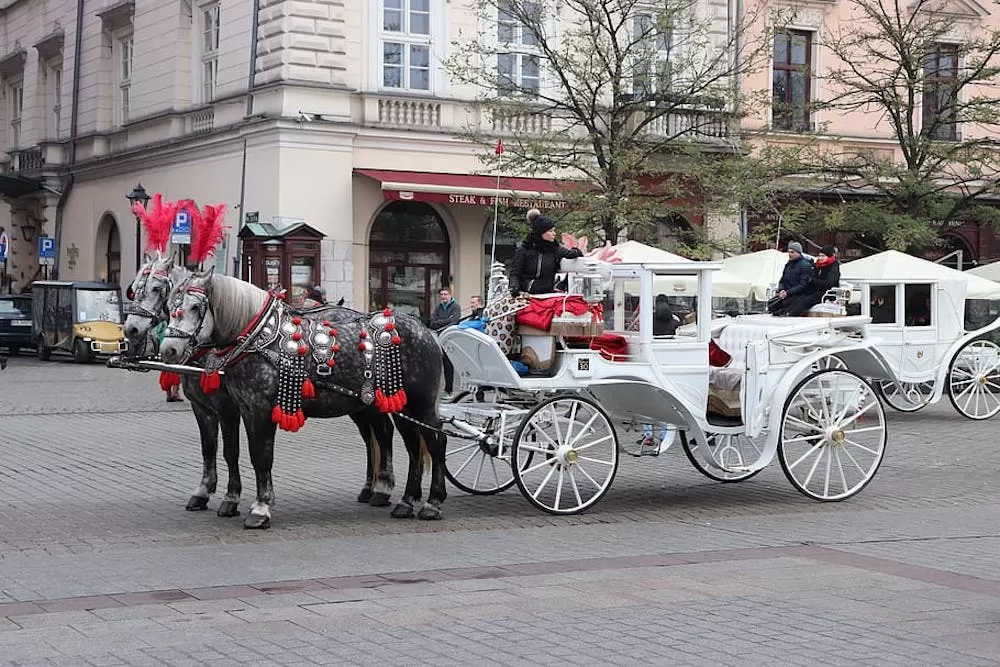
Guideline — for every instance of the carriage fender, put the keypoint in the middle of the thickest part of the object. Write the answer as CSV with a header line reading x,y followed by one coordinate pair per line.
x,y
862,359
645,402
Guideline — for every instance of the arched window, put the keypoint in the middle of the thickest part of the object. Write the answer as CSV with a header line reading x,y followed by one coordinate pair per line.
x,y
109,249
408,258
507,240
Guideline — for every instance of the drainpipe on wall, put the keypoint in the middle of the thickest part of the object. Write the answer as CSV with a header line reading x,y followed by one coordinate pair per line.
x,y
67,185
251,83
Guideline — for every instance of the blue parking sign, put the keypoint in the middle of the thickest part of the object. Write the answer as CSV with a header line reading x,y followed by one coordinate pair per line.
x,y
180,231
46,250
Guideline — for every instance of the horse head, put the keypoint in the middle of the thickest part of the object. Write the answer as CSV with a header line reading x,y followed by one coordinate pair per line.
x,y
192,322
148,294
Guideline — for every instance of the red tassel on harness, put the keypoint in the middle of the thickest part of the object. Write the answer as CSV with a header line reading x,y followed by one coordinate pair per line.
x,y
168,380
308,389
210,382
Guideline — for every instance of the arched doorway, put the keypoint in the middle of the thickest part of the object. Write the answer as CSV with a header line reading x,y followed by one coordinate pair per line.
x,y
951,244
408,258
108,250
674,233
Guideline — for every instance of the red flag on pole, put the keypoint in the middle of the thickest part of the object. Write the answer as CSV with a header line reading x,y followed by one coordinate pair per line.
x,y
499,149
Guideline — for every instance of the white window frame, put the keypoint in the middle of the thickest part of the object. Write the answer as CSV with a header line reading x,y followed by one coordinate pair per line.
x,y
658,56
409,40
207,62
124,63
515,44
15,107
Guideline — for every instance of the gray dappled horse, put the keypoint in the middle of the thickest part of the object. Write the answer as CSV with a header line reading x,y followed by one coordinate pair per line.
x,y
148,292
285,366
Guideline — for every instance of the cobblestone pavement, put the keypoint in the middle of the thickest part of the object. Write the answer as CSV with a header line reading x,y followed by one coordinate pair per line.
x,y
100,564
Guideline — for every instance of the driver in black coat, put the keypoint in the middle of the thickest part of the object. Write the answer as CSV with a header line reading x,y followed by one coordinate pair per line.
x,y
536,261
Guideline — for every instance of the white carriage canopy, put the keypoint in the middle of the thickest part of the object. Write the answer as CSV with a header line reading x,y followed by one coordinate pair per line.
x,y
895,266
724,284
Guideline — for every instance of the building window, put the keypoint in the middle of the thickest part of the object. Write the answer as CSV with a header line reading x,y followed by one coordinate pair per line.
x,y
15,104
940,92
518,63
125,52
652,44
209,51
54,83
406,44
791,81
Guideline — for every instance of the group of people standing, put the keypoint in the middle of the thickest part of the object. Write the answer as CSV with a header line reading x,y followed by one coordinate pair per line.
x,y
804,281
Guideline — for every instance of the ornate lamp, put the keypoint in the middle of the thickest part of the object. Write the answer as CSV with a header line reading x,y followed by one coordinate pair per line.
x,y
138,195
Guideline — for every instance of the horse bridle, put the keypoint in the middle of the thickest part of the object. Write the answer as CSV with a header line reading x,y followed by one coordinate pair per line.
x,y
173,332
134,308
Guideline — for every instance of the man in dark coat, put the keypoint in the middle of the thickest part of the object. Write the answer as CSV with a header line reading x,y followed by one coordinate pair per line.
x,y
825,276
446,314
794,279
536,261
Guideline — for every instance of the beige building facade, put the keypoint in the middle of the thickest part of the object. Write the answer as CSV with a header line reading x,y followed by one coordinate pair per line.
x,y
349,127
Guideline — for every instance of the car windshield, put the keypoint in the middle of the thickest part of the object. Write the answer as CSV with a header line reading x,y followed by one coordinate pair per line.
x,y
14,307
98,306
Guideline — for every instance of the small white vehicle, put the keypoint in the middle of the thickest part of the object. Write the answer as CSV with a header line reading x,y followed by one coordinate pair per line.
x,y
920,330
556,437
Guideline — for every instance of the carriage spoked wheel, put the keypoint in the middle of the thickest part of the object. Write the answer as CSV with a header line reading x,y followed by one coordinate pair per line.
x,y
565,454
473,468
832,437
725,457
974,380
907,396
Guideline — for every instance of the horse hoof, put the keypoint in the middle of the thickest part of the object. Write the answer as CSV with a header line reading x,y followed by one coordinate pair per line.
x,y
379,500
229,508
365,496
197,504
429,513
256,522
402,511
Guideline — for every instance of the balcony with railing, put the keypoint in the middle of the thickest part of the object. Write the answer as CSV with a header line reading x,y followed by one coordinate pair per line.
x,y
26,161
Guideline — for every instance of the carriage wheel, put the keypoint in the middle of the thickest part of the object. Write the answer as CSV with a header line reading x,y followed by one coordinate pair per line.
x,y
471,467
833,435
974,380
912,397
565,454
832,361
725,456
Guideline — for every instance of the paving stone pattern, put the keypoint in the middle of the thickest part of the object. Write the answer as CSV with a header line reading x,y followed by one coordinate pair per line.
x,y
101,565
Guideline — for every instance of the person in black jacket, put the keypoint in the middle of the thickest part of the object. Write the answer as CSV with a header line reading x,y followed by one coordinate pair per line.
x,y
794,279
446,314
536,261
824,277
664,321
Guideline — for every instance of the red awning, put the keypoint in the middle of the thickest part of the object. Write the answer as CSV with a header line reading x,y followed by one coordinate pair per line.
x,y
466,189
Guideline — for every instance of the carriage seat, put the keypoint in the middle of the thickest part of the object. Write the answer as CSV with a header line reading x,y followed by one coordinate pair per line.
x,y
724,383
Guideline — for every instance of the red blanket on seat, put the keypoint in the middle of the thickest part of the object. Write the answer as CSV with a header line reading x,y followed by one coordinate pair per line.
x,y
540,312
612,347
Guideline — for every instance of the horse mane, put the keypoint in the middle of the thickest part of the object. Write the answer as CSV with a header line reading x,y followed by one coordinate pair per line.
x,y
234,304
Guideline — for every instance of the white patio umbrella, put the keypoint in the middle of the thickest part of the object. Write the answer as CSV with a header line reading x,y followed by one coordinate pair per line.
x,y
762,269
724,284
989,271
894,266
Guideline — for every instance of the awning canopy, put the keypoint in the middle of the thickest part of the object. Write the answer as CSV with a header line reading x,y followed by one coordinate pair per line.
x,y
17,186
468,189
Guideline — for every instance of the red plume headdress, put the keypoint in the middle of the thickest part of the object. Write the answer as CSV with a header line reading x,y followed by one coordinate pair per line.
x,y
207,231
157,221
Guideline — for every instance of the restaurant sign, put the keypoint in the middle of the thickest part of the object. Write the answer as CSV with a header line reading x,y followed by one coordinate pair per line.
x,y
475,200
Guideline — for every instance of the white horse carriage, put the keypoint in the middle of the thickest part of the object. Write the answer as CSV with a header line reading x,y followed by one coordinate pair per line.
x,y
556,435
918,317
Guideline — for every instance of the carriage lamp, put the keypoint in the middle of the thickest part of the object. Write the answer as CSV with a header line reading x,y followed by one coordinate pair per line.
x,y
138,195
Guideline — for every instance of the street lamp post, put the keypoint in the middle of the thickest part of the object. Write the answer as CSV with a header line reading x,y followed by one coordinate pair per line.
x,y
138,195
